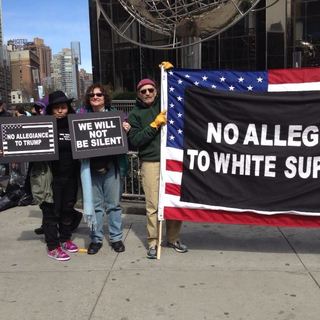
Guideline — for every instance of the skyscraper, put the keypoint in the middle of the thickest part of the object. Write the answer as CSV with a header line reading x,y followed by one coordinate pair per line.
x,y
76,61
45,55
5,79
85,80
62,76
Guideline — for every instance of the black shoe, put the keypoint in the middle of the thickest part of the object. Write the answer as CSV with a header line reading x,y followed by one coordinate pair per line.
x,y
94,247
39,231
118,246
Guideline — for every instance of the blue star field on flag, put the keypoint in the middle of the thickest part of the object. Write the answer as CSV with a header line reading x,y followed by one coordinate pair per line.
x,y
178,81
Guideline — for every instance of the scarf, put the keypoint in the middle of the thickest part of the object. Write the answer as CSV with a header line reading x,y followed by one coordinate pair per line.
x,y
89,214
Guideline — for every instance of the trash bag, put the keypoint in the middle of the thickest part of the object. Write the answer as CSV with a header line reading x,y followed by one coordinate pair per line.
x,y
14,192
12,197
16,178
6,203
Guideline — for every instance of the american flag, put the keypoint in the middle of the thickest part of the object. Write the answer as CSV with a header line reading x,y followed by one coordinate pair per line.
x,y
174,83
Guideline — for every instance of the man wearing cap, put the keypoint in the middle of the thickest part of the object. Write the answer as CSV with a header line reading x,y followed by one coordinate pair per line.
x,y
146,121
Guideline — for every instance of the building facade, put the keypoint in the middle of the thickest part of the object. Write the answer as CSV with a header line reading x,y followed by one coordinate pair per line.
x,y
62,71
76,61
45,56
5,77
85,80
24,66
277,34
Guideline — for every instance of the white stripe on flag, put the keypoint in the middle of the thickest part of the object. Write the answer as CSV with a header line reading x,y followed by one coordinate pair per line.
x,y
174,154
173,177
307,86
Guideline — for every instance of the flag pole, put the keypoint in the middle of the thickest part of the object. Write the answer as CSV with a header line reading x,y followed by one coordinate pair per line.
x,y
159,239
162,160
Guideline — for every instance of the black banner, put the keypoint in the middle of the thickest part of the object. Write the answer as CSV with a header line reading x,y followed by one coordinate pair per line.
x,y
257,152
28,139
97,134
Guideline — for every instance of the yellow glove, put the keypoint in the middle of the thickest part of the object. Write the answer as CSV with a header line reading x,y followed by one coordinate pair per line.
x,y
166,65
160,120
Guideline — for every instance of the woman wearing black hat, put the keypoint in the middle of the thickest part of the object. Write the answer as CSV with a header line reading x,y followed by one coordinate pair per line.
x,y
58,214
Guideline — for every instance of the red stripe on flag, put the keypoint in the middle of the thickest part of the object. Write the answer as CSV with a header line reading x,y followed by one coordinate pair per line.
x,y
174,165
250,218
278,76
173,189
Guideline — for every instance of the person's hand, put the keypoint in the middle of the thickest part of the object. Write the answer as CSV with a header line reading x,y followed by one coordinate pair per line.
x,y
126,126
166,65
160,120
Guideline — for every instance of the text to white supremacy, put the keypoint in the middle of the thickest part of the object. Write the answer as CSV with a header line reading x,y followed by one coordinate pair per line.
x,y
252,164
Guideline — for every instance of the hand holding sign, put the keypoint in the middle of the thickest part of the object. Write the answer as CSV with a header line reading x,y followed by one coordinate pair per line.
x,y
126,126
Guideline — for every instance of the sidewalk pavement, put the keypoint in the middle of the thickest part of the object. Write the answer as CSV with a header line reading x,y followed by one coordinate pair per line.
x,y
231,272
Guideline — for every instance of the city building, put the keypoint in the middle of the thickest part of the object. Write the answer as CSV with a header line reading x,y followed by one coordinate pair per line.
x,y
76,61
16,96
85,80
62,72
45,55
5,78
24,66
277,34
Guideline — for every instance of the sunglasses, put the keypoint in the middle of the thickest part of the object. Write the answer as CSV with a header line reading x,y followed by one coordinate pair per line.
x,y
91,95
144,91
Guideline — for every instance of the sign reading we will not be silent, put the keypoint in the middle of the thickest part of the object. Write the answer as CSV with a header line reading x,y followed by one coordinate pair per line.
x,y
97,134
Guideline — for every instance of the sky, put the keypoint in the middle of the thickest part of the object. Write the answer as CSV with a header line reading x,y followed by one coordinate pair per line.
x,y
58,22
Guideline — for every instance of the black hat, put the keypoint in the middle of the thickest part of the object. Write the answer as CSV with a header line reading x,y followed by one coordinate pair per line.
x,y
57,97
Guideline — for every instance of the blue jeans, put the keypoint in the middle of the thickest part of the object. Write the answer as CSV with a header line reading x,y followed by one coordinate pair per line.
x,y
106,198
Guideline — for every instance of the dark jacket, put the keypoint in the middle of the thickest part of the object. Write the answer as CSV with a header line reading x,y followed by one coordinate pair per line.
x,y
63,173
141,135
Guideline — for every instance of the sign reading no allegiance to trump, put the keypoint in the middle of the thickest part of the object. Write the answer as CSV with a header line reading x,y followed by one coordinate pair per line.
x,y
28,139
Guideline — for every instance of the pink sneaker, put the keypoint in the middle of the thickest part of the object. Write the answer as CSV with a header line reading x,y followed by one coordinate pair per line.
x,y
58,254
69,246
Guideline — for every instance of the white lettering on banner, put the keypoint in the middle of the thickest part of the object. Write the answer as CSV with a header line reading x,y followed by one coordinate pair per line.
x,y
245,164
304,167
85,126
104,124
105,142
32,142
295,135
192,153
98,133
10,136
251,135
203,159
230,133
82,144
31,135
